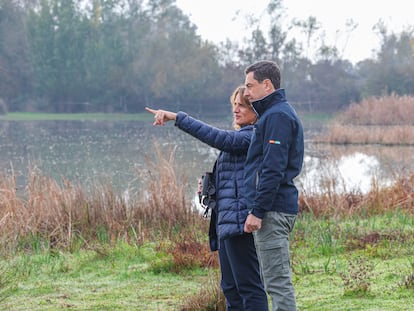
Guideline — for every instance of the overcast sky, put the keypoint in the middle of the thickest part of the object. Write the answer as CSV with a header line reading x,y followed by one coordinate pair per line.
x,y
216,19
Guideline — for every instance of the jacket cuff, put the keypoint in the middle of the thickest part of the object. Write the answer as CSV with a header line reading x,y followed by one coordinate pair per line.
x,y
258,213
179,117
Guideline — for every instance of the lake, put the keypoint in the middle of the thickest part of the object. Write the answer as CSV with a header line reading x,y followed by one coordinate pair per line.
x,y
96,152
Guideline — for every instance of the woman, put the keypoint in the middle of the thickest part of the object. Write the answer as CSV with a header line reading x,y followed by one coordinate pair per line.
x,y
240,273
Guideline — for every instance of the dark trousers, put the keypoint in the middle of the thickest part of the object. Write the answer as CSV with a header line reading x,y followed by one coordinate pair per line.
x,y
240,274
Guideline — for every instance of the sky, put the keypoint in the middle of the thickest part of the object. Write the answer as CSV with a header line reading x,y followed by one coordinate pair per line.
x,y
216,20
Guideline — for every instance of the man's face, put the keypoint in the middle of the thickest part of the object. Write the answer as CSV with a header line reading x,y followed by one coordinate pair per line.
x,y
256,90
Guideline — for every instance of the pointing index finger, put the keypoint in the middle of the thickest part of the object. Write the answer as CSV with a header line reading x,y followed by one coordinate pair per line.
x,y
150,110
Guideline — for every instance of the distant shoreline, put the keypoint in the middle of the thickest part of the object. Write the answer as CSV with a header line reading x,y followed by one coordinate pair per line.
x,y
38,116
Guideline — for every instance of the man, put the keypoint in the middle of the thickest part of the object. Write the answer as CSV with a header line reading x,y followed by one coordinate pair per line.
x,y
274,159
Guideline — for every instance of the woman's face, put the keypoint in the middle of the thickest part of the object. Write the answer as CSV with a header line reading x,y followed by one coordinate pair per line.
x,y
242,112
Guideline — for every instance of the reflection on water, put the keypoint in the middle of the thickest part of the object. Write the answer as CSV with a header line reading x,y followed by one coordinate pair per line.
x,y
353,168
101,152
353,172
357,171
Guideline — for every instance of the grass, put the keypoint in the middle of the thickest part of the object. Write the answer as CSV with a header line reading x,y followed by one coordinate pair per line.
x,y
352,270
61,247
30,116
329,274
123,279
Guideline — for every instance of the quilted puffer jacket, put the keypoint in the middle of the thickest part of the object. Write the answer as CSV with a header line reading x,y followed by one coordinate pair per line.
x,y
229,181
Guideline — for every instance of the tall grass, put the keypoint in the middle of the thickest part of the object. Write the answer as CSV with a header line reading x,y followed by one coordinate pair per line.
x,y
386,110
387,120
335,204
60,214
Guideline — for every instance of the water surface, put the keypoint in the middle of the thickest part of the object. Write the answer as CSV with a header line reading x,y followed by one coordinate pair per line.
x,y
90,152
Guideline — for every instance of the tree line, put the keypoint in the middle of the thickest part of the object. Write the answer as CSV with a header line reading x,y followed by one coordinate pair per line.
x,y
123,55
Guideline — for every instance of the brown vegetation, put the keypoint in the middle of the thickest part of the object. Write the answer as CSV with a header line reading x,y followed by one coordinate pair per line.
x,y
62,214
209,298
387,120
378,200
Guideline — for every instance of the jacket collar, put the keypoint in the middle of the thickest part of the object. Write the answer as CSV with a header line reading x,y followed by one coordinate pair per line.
x,y
261,105
246,127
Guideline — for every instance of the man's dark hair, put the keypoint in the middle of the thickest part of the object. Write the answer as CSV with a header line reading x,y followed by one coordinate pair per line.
x,y
265,69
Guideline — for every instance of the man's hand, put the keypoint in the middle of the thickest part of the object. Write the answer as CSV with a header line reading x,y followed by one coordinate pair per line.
x,y
252,223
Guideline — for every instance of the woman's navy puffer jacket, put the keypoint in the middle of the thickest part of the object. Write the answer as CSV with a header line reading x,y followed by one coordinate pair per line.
x,y
233,144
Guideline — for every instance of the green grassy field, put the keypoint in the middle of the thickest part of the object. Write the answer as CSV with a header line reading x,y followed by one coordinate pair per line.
x,y
346,264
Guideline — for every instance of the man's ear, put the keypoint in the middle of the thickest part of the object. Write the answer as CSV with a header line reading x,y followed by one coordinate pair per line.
x,y
269,85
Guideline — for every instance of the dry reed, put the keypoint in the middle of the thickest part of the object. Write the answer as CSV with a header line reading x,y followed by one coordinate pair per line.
x,y
331,203
388,120
165,194
60,214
